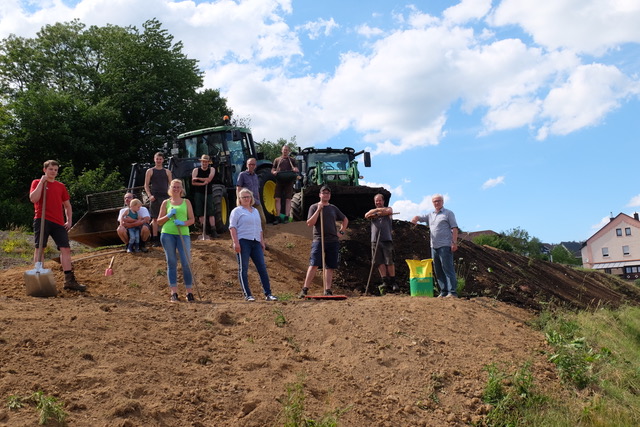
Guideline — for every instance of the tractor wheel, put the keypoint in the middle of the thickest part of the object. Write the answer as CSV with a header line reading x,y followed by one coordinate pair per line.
x,y
296,207
267,193
221,209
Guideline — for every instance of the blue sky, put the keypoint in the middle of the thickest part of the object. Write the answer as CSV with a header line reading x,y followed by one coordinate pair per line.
x,y
522,113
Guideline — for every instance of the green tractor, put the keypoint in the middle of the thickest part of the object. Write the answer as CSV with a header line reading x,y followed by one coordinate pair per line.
x,y
229,148
338,169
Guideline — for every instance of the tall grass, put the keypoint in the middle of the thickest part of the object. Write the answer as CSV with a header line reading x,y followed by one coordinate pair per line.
x,y
597,356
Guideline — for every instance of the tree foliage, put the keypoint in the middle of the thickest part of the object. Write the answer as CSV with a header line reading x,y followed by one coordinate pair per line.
x,y
272,150
562,255
95,96
515,240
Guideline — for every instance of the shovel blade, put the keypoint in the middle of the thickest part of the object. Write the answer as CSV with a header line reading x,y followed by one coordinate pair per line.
x,y
40,283
108,272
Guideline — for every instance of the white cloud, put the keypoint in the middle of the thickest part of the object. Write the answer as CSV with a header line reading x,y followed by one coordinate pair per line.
x,y
397,92
367,31
590,26
467,10
490,183
634,202
590,92
397,191
604,221
319,27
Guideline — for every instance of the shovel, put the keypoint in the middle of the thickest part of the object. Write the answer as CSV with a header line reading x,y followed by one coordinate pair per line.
x,y
40,281
109,271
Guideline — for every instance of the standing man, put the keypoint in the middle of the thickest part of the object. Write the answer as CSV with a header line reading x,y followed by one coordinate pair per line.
x,y
382,244
285,170
201,180
125,222
54,223
444,236
249,179
330,215
156,185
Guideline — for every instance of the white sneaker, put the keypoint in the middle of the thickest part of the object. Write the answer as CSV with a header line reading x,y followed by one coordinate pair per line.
x,y
250,298
271,298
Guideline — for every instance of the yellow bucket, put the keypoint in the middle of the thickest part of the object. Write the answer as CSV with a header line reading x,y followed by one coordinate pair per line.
x,y
420,277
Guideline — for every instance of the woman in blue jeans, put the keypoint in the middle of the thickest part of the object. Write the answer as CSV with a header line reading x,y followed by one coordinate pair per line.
x,y
245,227
175,217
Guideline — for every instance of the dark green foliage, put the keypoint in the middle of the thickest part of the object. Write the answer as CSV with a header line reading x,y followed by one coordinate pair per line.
x,y
95,97
493,240
272,150
561,255
88,182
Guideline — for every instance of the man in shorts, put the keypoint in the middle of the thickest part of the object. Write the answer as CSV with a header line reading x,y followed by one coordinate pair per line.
x,y
203,190
382,244
54,223
125,222
283,165
156,185
330,216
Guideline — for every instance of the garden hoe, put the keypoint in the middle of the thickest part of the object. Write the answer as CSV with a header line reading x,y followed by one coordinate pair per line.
x,y
40,281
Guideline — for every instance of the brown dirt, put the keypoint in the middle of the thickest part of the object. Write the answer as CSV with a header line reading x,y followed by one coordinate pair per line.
x,y
122,355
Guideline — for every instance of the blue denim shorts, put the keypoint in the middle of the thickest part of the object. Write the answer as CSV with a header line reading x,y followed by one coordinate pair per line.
x,y
331,254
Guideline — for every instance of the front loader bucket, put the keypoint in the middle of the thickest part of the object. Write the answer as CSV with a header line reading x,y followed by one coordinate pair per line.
x,y
353,201
97,228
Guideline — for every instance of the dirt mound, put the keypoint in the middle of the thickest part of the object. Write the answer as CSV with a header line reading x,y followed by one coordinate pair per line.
x,y
122,355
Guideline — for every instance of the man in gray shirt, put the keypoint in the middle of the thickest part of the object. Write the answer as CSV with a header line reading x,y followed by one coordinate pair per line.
x,y
444,236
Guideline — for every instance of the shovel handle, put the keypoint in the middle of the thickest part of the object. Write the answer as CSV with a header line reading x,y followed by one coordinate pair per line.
x,y
111,263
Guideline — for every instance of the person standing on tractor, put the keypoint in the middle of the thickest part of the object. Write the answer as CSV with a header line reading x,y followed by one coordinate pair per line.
x,y
444,237
202,191
323,217
382,244
125,222
285,170
156,185
57,201
249,179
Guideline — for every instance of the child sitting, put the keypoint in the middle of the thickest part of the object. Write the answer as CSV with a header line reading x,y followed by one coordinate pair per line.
x,y
134,232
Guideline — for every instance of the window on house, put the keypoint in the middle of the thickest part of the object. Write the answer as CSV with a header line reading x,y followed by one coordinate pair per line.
x,y
627,231
630,270
618,232
605,251
625,250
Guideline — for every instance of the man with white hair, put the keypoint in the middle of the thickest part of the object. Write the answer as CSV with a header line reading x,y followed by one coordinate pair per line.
x,y
444,237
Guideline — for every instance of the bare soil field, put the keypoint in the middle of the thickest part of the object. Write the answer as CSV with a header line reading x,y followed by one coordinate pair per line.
x,y
122,355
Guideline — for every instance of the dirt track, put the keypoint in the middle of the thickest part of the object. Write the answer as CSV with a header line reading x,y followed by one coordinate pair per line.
x,y
121,355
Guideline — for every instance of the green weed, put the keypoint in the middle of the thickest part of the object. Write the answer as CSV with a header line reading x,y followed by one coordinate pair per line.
x,y
293,411
48,408
287,296
513,397
281,321
293,344
14,402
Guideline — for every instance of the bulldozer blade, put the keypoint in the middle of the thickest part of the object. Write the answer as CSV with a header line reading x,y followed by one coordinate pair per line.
x,y
40,283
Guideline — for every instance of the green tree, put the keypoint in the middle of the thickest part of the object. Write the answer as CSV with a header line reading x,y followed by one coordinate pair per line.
x,y
561,255
272,150
94,96
493,240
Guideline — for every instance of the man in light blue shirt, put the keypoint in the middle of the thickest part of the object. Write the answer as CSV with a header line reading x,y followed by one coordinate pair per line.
x,y
444,236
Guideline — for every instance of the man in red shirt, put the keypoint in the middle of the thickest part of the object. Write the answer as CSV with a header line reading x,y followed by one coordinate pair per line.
x,y
55,224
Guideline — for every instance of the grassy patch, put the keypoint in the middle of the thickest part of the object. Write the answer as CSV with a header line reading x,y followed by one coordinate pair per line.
x,y
293,412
